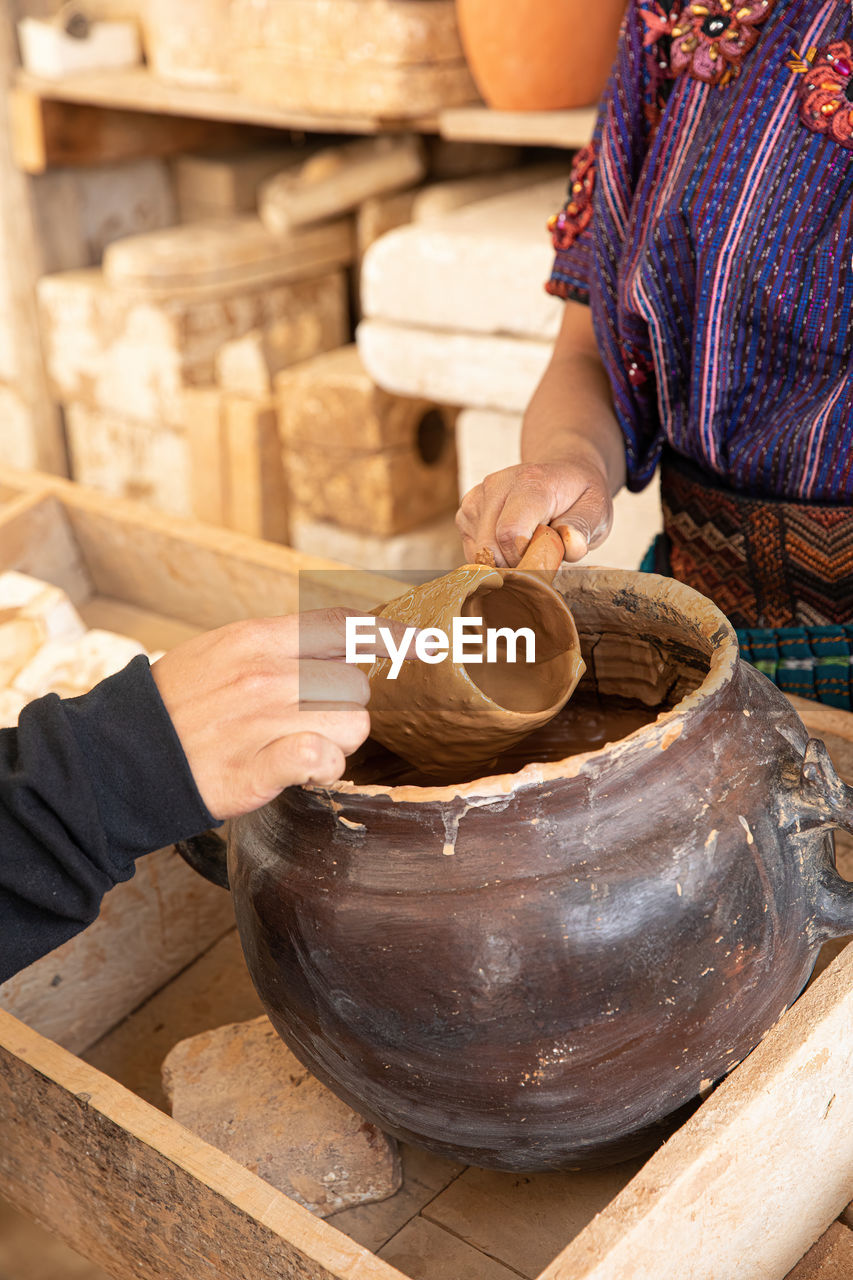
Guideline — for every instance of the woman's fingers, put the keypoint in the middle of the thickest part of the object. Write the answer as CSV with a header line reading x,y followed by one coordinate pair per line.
x,y
586,523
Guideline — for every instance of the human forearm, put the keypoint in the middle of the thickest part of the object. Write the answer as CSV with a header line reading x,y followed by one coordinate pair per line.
x,y
573,458
571,416
571,413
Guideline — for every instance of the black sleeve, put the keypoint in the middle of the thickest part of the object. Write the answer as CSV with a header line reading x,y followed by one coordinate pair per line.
x,y
87,785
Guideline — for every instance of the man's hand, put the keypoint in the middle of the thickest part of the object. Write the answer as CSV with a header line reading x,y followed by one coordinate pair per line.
x,y
572,496
265,704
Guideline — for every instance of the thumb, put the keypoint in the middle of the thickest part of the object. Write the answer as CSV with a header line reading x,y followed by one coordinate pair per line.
x,y
586,524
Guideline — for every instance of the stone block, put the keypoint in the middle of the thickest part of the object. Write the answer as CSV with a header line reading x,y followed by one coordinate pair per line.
x,y
140,460
485,442
432,548
133,355
248,365
355,32
237,470
81,211
440,198
189,43
256,483
344,88
337,180
242,1090
225,254
483,371
830,1259
359,457
480,269
222,185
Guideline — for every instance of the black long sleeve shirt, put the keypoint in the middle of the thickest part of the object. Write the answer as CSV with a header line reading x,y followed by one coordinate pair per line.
x,y
87,785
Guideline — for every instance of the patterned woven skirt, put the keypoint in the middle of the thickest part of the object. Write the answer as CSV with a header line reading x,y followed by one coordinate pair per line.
x,y
781,571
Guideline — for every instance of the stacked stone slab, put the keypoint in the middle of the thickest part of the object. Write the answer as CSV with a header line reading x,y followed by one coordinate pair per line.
x,y
383,58
455,310
372,477
125,343
77,214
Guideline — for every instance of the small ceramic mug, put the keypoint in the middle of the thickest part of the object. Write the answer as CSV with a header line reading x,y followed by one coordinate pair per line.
x,y
449,717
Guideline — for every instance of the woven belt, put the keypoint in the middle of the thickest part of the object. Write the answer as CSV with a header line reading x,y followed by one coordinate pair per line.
x,y
764,562
781,571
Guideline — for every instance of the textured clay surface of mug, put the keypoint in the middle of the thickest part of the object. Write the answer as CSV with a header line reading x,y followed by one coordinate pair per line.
x,y
533,970
445,717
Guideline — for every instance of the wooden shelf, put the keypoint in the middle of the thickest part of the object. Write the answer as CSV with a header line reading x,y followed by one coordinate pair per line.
x,y
138,91
568,129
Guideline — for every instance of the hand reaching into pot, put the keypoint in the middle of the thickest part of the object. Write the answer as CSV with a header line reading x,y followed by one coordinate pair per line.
x,y
573,459
266,704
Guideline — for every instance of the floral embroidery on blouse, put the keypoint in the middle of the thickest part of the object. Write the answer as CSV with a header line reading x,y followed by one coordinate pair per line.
x,y
826,91
638,365
710,40
659,20
576,214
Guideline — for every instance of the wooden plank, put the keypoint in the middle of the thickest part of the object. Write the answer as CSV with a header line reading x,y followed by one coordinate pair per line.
x,y
36,538
148,929
136,89
137,1193
191,572
569,129
205,433
21,265
29,1253
153,630
47,133
211,992
425,1251
738,1185
257,486
521,1220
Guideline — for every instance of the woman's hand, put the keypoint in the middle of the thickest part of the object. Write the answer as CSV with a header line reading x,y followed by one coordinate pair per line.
x,y
503,511
574,458
265,704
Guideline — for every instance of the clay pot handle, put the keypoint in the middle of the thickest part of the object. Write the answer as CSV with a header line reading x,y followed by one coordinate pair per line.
x,y
206,854
824,800
544,551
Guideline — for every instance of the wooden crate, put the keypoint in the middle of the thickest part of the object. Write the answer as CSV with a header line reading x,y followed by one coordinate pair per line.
x,y
742,1189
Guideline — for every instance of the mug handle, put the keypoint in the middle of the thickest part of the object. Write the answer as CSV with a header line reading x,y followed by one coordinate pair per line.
x,y
206,854
826,801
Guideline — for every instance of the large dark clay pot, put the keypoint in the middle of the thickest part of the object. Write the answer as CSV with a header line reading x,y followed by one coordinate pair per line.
x,y
532,970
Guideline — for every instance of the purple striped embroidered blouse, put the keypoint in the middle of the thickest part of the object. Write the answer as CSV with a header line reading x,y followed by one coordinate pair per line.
x,y
717,260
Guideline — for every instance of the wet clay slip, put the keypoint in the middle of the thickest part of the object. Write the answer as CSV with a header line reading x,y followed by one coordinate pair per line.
x,y
538,968
450,718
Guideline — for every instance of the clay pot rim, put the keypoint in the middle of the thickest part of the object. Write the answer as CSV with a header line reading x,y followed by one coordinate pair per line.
x,y
660,733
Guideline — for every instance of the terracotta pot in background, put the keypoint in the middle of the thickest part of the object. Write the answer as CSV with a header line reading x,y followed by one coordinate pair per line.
x,y
539,55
